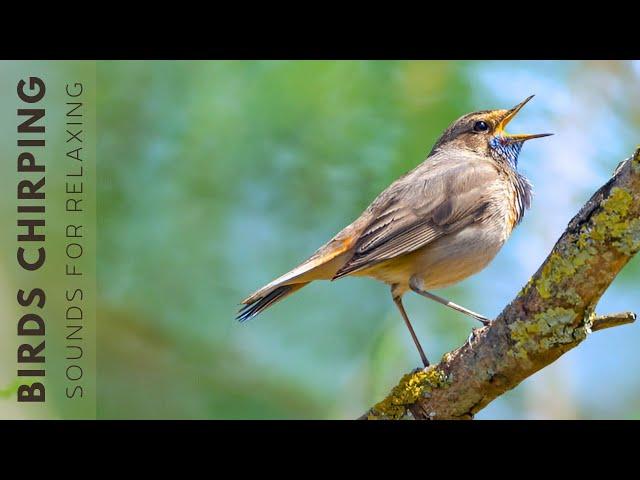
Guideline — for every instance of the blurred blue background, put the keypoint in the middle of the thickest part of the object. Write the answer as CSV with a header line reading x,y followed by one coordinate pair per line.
x,y
216,177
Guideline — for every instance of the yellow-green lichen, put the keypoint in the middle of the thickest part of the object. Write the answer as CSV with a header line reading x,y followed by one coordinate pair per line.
x,y
558,268
629,242
610,223
410,389
613,222
571,294
546,330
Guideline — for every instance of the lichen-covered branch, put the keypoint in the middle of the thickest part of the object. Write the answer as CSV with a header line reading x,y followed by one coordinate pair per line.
x,y
552,314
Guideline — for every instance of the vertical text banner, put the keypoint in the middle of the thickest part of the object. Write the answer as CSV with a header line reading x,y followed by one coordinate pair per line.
x,y
48,239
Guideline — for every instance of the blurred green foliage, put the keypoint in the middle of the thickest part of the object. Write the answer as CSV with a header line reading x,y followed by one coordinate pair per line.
x,y
215,177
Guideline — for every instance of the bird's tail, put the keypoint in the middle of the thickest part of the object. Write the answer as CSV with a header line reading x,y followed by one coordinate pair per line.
x,y
322,265
255,305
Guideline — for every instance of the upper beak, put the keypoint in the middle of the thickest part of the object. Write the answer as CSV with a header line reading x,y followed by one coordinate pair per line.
x,y
508,138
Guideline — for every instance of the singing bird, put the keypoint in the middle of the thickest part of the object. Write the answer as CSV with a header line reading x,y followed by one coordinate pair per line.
x,y
438,224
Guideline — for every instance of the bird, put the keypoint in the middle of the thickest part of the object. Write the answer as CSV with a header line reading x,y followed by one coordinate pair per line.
x,y
438,224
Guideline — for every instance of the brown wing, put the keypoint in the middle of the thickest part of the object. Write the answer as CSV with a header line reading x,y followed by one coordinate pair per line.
x,y
440,196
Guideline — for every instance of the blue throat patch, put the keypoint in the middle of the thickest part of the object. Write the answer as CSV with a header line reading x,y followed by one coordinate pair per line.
x,y
508,152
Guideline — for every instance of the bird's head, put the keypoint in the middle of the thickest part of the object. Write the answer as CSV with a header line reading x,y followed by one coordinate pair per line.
x,y
483,132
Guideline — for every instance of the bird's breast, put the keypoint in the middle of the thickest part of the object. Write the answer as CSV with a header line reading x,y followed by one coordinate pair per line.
x,y
460,255
516,200
445,261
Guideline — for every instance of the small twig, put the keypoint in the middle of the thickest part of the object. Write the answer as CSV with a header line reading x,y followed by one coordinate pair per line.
x,y
613,320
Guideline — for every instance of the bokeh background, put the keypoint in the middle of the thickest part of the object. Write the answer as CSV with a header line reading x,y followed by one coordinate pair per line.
x,y
216,177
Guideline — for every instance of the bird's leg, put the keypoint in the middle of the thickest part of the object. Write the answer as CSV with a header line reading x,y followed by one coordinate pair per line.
x,y
481,318
398,302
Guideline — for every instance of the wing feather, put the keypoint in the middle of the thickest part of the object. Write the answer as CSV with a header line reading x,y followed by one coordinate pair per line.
x,y
436,198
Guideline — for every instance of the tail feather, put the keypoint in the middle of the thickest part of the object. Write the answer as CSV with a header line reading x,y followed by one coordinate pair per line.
x,y
322,265
254,307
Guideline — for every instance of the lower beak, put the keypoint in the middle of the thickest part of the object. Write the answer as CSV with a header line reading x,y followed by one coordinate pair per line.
x,y
507,138
523,137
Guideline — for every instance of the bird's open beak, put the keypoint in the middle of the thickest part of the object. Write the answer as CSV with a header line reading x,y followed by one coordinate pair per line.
x,y
508,138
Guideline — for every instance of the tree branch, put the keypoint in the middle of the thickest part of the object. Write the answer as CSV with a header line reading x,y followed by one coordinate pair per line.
x,y
552,314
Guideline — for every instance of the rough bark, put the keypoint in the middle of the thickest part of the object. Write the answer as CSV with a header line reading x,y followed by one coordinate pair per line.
x,y
552,314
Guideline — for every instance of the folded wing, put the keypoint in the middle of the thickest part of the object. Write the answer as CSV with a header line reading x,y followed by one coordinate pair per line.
x,y
439,197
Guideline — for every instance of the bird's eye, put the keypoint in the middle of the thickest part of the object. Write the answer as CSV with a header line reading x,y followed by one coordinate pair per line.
x,y
480,126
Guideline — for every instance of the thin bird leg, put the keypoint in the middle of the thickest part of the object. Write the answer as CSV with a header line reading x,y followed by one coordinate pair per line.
x,y
481,318
398,302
